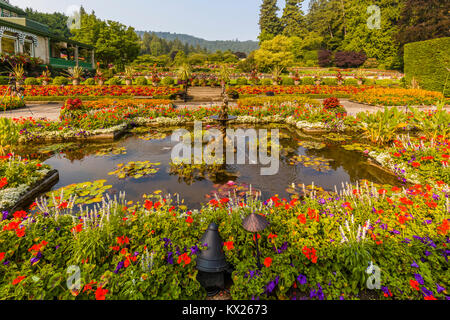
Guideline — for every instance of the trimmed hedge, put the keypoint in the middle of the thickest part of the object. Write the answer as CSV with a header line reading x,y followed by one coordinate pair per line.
x,y
427,62
141,81
31,81
59,81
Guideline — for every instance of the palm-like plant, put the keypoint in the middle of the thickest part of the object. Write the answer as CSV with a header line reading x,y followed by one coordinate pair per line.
x,y
276,73
224,76
381,127
184,72
75,73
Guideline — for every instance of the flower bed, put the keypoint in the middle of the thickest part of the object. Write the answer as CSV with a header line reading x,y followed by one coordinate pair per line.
x,y
399,97
309,90
10,103
96,91
17,175
315,248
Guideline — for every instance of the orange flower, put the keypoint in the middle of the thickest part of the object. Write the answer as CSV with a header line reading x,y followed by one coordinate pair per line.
x,y
268,262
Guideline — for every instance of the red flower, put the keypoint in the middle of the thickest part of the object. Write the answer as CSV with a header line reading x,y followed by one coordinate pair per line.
x,y
148,204
184,258
430,298
414,284
272,236
229,245
18,280
302,218
20,232
100,293
268,262
2,255
189,219
78,228
3,182
415,164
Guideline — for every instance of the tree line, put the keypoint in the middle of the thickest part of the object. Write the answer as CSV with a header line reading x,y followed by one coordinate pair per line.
x,y
352,26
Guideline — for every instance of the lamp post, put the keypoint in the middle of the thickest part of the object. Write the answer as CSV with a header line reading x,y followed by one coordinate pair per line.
x,y
211,262
255,223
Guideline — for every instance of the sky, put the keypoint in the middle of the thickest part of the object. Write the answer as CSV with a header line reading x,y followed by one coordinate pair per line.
x,y
207,19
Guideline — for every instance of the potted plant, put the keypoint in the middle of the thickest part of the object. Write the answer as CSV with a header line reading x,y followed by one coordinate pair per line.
x,y
296,78
340,78
75,74
276,74
360,76
254,79
45,77
184,75
19,74
317,79
129,75
99,77
155,77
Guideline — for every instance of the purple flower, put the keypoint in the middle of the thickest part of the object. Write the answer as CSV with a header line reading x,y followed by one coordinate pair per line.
x,y
418,278
301,279
440,288
120,265
426,291
170,258
414,265
320,294
194,250
36,259
5,215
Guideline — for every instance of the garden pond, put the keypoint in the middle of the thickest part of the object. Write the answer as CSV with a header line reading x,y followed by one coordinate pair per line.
x,y
140,164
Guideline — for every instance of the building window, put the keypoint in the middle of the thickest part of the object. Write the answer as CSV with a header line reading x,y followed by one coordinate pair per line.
x,y
9,45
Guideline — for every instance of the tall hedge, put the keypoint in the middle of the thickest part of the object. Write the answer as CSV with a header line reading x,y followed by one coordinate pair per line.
x,y
428,61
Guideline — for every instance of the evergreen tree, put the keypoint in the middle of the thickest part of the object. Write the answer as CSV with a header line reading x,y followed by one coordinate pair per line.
x,y
293,19
269,22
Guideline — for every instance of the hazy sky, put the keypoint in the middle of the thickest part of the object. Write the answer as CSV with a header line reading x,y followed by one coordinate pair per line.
x,y
208,19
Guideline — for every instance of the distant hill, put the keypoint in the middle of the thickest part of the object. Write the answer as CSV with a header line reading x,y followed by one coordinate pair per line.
x,y
211,46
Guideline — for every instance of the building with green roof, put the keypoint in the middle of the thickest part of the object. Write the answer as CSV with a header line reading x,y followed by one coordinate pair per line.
x,y
20,35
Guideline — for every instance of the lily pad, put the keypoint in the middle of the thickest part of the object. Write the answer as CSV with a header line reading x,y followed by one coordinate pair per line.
x,y
135,169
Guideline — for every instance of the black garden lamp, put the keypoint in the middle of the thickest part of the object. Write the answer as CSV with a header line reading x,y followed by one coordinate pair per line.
x,y
255,223
211,262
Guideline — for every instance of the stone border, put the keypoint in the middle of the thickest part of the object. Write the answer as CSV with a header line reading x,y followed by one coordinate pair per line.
x,y
50,179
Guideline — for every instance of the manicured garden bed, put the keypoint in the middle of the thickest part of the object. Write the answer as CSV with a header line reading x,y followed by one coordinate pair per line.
x,y
317,246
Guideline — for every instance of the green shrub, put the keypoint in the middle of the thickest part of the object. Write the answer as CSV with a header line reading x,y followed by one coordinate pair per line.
x,y
31,81
308,81
427,62
114,82
369,82
167,81
241,82
89,82
60,81
4,80
266,82
287,81
351,82
330,81
141,81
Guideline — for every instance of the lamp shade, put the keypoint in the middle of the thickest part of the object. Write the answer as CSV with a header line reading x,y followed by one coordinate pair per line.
x,y
213,258
255,223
